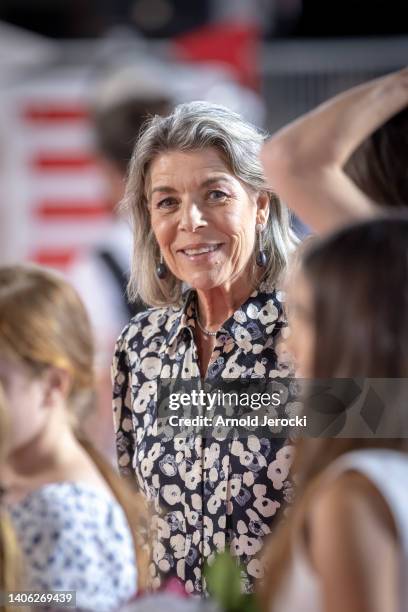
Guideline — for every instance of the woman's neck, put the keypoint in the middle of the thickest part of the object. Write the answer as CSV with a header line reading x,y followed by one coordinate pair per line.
x,y
218,304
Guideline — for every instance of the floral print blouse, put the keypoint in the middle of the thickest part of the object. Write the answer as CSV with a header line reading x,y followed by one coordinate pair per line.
x,y
208,495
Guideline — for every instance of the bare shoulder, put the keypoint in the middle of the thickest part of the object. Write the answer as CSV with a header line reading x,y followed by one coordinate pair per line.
x,y
349,527
349,499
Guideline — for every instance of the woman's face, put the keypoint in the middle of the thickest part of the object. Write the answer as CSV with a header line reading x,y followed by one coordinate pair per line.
x,y
301,342
203,218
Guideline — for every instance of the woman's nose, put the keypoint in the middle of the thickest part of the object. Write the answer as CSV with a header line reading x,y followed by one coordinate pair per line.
x,y
191,217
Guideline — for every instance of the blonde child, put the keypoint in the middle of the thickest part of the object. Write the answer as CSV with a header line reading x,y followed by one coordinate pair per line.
x,y
75,522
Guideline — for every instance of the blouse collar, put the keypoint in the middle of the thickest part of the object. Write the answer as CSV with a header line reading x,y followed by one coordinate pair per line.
x,y
259,315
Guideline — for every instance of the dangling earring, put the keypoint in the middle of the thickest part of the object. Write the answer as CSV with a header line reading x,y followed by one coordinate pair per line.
x,y
261,255
161,269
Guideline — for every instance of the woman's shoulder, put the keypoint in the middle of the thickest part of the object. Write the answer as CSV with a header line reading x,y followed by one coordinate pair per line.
x,y
338,497
265,309
153,322
384,467
347,525
266,293
363,482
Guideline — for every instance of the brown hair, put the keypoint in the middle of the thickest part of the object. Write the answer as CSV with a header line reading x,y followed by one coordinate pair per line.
x,y
118,124
44,323
10,562
379,165
359,283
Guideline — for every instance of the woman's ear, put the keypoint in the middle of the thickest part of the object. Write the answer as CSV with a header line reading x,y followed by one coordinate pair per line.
x,y
263,208
57,385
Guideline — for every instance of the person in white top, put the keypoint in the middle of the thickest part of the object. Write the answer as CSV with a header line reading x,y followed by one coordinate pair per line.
x,y
344,545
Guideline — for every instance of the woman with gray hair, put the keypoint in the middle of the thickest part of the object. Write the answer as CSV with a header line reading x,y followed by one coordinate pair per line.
x,y
203,217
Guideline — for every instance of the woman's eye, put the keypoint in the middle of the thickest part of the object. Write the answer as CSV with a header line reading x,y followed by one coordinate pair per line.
x,y
217,195
166,203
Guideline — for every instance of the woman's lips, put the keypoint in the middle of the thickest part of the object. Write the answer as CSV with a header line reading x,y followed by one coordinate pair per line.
x,y
200,253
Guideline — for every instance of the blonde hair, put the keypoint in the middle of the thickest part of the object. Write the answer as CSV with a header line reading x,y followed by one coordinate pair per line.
x,y
191,127
44,323
10,559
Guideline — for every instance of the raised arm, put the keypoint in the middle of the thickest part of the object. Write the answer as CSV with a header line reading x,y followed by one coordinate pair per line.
x,y
304,161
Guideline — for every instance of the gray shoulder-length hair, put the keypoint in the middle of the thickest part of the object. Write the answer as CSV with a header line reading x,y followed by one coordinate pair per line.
x,y
194,126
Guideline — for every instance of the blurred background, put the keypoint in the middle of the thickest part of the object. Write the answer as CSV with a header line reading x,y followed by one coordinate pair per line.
x,y
77,77
270,59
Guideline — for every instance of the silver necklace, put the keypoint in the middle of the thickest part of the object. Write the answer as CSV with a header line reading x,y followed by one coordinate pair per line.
x,y
207,332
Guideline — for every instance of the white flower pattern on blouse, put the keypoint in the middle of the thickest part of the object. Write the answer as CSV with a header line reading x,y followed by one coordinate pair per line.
x,y
75,537
207,495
